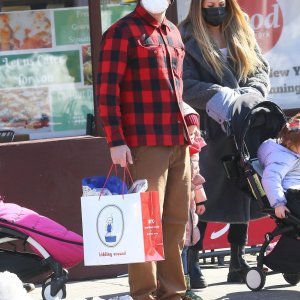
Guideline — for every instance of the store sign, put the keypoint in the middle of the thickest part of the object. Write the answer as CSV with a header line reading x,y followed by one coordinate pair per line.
x,y
29,69
45,72
276,24
266,20
72,27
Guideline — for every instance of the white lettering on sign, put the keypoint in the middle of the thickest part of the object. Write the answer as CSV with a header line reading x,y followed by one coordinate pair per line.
x,y
80,27
82,13
258,21
35,80
40,60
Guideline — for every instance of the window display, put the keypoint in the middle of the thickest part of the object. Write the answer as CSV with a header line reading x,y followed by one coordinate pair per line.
x,y
45,69
46,86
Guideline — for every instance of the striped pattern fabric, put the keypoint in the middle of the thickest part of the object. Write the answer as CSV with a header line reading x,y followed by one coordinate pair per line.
x,y
139,85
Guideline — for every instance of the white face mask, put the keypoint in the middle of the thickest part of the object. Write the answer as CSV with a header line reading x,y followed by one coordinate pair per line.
x,y
155,6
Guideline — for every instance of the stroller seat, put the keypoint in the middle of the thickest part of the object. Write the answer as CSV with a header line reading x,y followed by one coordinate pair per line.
x,y
264,203
253,121
257,166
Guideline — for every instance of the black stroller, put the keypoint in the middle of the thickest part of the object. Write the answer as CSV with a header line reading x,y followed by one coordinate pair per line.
x,y
253,121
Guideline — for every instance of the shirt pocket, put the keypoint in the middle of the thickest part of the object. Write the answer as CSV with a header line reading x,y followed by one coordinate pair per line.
x,y
147,55
177,55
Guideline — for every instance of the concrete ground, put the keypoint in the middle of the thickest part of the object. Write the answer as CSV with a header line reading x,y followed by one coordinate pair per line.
x,y
218,289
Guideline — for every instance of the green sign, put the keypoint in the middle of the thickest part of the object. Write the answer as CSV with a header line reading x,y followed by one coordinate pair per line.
x,y
111,13
72,26
36,69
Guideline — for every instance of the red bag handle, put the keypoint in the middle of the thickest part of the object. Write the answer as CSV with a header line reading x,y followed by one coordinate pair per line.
x,y
124,177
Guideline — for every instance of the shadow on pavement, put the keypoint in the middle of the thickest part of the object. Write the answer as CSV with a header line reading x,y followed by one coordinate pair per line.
x,y
264,294
118,296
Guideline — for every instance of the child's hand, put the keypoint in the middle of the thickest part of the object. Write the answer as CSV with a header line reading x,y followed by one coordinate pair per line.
x,y
200,209
199,195
192,129
280,211
193,132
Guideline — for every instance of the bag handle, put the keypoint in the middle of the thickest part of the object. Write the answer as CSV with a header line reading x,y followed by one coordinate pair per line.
x,y
124,177
129,174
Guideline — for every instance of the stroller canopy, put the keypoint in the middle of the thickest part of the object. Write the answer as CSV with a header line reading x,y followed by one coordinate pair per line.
x,y
253,121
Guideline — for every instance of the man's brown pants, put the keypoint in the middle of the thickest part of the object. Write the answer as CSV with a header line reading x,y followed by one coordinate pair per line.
x,y
167,170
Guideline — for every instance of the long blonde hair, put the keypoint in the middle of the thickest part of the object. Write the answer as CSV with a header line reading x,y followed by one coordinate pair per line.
x,y
239,37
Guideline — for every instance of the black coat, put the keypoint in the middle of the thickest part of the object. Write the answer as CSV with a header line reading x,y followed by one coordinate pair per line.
x,y
226,201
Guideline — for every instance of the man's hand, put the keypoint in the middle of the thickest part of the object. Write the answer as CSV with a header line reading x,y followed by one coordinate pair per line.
x,y
280,211
121,155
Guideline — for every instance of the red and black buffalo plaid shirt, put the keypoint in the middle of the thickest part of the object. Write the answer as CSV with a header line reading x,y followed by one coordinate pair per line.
x,y
139,82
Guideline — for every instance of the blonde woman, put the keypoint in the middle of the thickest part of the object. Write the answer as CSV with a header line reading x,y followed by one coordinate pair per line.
x,y
222,62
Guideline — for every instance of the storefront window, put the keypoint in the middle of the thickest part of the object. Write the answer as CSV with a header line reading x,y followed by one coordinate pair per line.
x,y
45,68
113,10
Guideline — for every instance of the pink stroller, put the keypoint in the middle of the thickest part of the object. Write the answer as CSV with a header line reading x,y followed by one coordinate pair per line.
x,y
54,248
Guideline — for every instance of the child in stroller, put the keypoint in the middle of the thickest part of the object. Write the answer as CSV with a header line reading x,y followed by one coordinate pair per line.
x,y
280,160
53,248
254,121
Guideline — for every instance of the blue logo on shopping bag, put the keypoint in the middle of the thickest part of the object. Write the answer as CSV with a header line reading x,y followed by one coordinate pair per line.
x,y
110,225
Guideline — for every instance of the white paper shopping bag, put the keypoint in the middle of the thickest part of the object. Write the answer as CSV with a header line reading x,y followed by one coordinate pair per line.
x,y
121,229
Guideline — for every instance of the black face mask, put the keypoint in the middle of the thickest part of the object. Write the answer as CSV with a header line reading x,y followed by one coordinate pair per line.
x,y
214,15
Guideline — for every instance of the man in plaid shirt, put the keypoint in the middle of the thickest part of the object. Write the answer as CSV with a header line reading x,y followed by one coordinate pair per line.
x,y
140,105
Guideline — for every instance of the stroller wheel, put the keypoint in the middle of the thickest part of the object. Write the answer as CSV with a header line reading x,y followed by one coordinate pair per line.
x,y
255,279
291,278
46,292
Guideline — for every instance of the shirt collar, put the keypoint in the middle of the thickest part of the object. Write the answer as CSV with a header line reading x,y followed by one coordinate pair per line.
x,y
148,18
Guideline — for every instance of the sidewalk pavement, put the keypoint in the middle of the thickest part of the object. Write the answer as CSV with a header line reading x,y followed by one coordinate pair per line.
x,y
276,288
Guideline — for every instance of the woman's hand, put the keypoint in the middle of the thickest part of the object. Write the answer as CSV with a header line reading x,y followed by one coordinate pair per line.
x,y
280,211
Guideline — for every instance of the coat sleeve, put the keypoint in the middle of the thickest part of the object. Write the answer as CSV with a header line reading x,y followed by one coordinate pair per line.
x,y
196,92
111,69
187,109
197,178
275,169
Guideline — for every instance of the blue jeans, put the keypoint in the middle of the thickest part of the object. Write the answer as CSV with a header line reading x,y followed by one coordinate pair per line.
x,y
184,259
